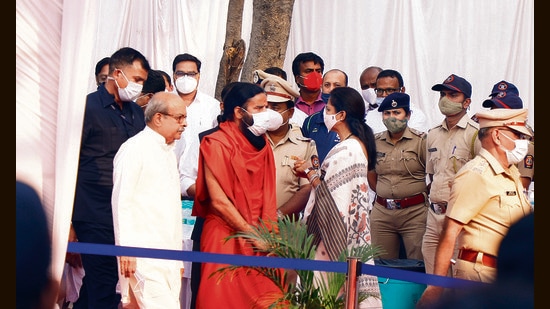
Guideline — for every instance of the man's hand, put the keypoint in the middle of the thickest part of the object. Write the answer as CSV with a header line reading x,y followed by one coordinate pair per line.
x,y
430,297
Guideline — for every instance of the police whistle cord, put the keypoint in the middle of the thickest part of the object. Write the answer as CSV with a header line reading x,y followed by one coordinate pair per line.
x,y
275,262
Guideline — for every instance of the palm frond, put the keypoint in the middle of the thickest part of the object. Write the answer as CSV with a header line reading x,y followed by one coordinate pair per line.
x,y
288,238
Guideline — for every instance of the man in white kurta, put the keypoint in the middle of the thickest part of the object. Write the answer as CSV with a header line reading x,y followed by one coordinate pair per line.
x,y
146,203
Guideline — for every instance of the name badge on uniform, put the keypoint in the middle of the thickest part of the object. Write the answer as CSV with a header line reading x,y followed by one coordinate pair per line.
x,y
510,193
432,149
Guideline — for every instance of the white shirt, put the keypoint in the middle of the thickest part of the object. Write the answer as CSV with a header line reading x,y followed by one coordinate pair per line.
x,y
202,115
146,193
298,117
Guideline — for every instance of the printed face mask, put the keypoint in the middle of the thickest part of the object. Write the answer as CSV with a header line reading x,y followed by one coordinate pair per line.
x,y
186,84
370,97
267,120
131,92
395,125
329,120
519,152
313,81
448,107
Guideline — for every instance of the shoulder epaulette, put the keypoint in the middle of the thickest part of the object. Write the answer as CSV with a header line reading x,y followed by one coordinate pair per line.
x,y
418,132
436,127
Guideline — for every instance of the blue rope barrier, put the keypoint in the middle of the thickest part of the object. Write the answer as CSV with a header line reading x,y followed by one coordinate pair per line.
x,y
276,262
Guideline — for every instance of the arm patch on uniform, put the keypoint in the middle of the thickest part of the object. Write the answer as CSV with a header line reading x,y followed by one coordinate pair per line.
x,y
528,161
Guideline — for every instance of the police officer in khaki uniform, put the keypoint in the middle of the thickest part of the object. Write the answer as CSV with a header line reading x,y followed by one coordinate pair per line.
x,y
486,199
506,95
399,181
287,143
449,146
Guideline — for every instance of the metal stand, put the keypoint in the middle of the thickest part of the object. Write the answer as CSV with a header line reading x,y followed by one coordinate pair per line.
x,y
354,270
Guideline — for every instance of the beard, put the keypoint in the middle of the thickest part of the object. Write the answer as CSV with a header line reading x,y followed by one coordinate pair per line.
x,y
257,141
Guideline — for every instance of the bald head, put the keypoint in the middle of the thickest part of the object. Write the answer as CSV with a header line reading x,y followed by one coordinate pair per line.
x,y
368,77
334,78
162,102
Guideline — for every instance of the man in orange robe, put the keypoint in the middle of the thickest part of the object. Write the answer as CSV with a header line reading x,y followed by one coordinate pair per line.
x,y
235,189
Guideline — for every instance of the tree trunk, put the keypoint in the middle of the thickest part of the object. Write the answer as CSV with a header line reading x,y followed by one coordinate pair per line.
x,y
233,47
268,40
270,31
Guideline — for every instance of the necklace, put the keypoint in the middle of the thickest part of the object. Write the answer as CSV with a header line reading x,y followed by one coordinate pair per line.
x,y
348,136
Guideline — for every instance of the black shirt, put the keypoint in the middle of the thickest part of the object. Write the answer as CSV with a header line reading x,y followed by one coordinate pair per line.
x,y
105,128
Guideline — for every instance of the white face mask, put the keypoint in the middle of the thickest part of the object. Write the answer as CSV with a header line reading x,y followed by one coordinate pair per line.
x,y
131,92
370,97
519,152
267,120
329,120
186,84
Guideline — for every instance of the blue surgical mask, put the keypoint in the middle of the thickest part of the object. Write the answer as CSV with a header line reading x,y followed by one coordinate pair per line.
x,y
324,97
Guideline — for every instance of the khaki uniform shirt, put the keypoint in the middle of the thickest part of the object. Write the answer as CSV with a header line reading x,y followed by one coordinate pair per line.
x,y
487,199
447,151
293,144
401,166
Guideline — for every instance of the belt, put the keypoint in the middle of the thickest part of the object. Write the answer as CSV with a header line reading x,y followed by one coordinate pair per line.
x,y
439,208
471,256
401,203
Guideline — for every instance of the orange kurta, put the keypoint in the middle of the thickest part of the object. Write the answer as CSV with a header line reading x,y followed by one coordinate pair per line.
x,y
247,176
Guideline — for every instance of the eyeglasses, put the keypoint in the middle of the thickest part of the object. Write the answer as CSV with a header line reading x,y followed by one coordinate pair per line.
x,y
179,118
389,91
190,74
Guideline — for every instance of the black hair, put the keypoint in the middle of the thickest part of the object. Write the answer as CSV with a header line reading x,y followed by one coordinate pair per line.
x,y
154,82
99,65
276,71
393,74
167,76
304,57
238,95
349,100
126,56
186,57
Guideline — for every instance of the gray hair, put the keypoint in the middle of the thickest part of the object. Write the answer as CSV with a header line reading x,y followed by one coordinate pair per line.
x,y
160,103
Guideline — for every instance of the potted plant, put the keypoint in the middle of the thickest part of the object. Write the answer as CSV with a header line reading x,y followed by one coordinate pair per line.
x,y
288,238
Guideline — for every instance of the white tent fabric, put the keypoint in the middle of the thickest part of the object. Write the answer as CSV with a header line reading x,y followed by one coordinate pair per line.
x,y
58,43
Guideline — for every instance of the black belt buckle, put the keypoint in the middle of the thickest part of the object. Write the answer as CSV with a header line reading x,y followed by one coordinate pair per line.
x,y
438,209
392,204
